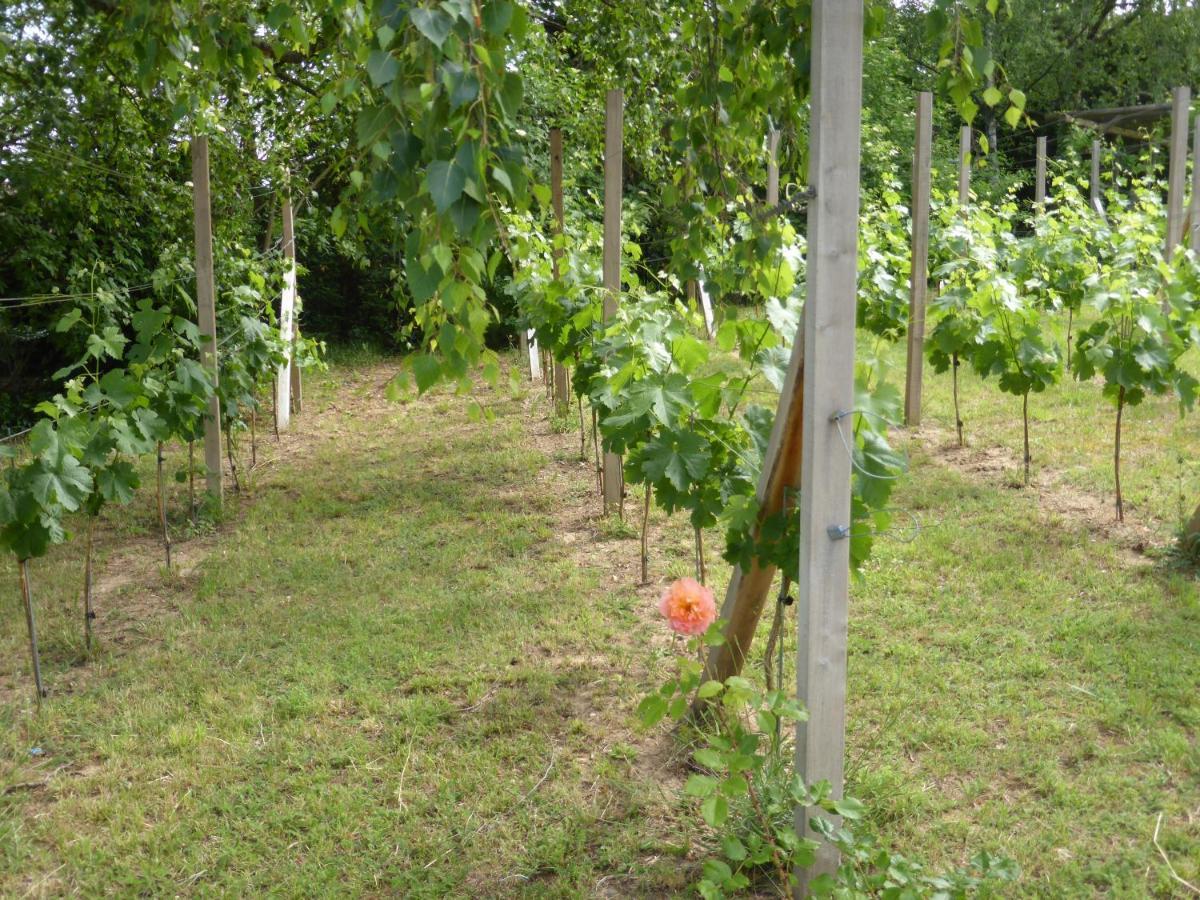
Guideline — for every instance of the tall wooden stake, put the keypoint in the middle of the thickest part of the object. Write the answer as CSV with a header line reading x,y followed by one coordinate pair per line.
x,y
964,166
207,311
614,481
1181,99
1194,241
778,485
1097,202
1039,194
919,277
829,334
287,304
773,168
562,400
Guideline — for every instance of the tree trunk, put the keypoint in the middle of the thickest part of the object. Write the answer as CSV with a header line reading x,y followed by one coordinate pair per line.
x,y
162,507
192,481
958,422
88,615
773,637
237,485
1025,420
1117,455
27,597
645,537
1070,323
582,434
596,453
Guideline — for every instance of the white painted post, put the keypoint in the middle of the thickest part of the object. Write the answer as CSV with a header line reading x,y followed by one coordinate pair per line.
x,y
535,355
1095,179
287,302
919,277
710,328
207,311
773,168
614,480
1181,99
829,335
1039,195
964,166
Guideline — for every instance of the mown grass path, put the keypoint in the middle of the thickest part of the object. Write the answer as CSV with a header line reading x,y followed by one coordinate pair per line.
x,y
406,665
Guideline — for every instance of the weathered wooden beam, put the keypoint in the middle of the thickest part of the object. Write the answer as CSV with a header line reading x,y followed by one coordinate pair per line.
x,y
562,402
919,275
1039,193
614,480
823,587
1181,99
207,311
964,166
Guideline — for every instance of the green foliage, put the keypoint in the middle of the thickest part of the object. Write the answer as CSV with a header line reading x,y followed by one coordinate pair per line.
x,y
884,265
998,291
1147,309
748,792
137,383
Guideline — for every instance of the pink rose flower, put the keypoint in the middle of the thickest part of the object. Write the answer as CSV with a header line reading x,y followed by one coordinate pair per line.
x,y
688,606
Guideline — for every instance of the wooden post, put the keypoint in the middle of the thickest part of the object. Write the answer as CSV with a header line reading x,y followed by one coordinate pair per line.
x,y
287,302
207,311
562,402
773,168
1097,203
297,310
829,335
1039,195
919,277
614,480
297,373
1181,99
1194,242
964,166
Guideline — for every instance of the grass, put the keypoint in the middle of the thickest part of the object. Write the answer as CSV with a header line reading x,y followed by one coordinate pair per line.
x,y
388,677
408,665
1019,685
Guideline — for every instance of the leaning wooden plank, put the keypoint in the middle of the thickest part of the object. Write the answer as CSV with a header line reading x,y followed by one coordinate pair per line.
x,y
780,479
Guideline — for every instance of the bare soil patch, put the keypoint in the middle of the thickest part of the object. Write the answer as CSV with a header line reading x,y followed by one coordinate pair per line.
x,y
1000,466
